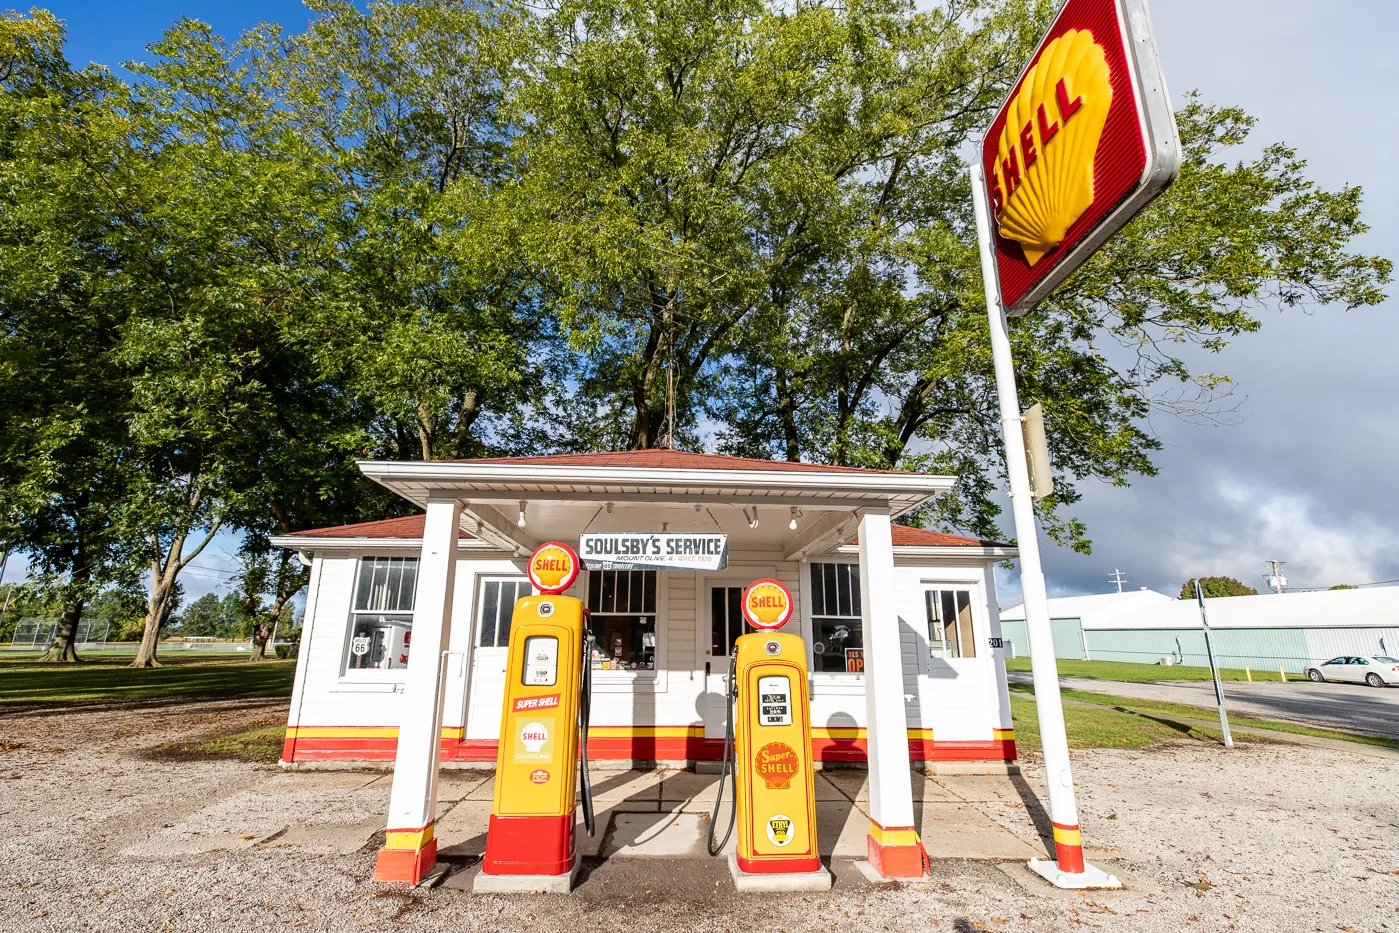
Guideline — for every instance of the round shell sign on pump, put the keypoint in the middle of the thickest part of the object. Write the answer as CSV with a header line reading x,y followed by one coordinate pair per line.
x,y
767,604
553,567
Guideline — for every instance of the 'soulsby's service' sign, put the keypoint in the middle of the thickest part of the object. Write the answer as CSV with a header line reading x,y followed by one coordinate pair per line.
x,y
642,550
1086,139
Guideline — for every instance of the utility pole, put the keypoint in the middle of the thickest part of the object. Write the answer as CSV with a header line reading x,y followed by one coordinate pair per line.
x,y
1117,578
1276,581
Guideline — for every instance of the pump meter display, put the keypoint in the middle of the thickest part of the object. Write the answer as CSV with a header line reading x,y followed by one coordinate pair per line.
x,y
775,701
541,661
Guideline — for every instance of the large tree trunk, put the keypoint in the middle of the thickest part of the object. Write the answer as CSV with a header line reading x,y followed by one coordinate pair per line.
x,y
262,632
786,413
65,636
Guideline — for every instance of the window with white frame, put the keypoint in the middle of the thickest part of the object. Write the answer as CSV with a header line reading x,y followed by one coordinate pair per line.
x,y
950,630
837,632
622,619
497,606
381,618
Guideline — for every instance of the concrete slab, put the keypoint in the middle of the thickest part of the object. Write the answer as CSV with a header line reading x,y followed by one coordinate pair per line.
x,y
963,831
827,791
483,883
456,786
841,830
332,839
855,785
483,791
819,880
591,846
980,788
634,786
684,786
326,780
657,835
461,830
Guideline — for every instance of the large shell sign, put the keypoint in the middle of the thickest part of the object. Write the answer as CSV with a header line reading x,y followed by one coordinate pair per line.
x,y
1085,140
767,604
553,567
1044,178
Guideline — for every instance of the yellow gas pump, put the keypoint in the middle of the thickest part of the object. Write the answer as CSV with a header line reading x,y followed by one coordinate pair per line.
x,y
544,724
768,743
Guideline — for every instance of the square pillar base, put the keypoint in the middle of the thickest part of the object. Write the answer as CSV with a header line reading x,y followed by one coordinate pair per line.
x,y
1087,879
894,861
408,866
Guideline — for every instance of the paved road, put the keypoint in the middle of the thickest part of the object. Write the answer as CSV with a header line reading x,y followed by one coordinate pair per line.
x,y
1327,706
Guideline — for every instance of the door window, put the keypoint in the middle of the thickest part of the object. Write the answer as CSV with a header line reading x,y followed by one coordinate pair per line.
x,y
950,630
726,621
497,604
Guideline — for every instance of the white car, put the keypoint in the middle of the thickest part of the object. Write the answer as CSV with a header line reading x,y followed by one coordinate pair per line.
x,y
1377,670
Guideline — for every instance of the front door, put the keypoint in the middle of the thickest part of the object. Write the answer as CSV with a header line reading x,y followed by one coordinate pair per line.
x,y
725,605
495,603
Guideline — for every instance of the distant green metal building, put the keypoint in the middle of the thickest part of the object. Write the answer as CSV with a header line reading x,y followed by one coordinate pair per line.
x,y
1290,631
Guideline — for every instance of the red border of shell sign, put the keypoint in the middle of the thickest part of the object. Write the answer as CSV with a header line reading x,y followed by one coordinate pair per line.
x,y
767,604
553,567
1074,142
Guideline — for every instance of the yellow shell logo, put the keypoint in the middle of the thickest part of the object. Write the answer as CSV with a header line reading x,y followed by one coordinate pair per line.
x,y
1044,167
767,604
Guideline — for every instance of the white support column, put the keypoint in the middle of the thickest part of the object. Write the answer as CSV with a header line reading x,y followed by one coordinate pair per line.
x,y
410,847
893,844
1068,870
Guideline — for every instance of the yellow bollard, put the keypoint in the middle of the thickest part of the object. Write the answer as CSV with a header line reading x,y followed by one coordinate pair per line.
x,y
1248,673
1283,673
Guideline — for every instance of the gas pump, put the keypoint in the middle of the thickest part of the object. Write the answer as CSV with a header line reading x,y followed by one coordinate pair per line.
x,y
767,748
543,753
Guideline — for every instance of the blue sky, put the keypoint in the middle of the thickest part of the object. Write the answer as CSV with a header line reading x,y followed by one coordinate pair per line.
x,y
1307,475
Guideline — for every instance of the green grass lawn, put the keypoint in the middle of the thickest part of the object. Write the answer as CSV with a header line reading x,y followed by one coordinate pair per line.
x,y
104,677
1098,727
1111,722
1121,670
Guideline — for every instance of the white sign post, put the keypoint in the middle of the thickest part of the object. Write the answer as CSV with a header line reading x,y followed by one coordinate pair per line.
x,y
1084,141
1063,809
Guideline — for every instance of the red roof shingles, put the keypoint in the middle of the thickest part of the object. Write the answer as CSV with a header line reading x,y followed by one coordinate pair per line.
x,y
672,460
904,536
411,526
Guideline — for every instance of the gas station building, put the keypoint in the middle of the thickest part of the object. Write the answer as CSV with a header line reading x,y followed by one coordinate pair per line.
x,y
403,655
664,635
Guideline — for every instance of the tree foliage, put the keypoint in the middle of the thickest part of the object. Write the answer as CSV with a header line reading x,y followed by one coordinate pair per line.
x,y
1214,587
429,229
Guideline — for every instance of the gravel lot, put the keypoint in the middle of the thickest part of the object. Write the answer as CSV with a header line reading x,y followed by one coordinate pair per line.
x,y
1266,837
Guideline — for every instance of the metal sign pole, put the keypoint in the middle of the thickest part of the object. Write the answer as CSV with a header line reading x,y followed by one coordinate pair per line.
x,y
1068,870
1214,668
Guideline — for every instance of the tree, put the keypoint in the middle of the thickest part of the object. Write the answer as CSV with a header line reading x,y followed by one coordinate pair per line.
x,y
761,215
65,297
1214,587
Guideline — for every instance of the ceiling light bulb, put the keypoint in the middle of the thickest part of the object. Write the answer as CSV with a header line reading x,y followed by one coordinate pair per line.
x,y
521,522
793,523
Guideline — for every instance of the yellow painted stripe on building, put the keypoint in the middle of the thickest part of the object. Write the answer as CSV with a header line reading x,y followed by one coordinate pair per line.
x,y
893,837
410,839
361,732
342,732
1003,735
641,732
1068,837
843,733
920,734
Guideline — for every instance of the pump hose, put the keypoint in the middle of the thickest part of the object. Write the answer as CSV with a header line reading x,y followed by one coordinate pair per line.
x,y
725,772
585,709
